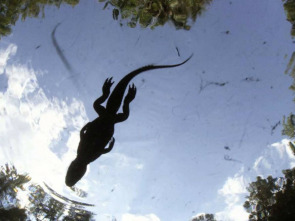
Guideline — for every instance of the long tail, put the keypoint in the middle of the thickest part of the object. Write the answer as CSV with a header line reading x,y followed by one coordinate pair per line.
x,y
116,97
59,51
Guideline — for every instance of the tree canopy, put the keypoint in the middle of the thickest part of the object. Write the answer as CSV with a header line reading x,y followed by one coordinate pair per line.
x,y
12,10
10,183
153,13
272,199
289,122
147,13
289,7
204,217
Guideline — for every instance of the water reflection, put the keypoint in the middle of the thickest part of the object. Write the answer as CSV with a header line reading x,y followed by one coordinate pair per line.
x,y
59,50
25,200
80,193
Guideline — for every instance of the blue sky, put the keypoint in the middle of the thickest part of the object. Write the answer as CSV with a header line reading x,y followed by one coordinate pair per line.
x,y
168,162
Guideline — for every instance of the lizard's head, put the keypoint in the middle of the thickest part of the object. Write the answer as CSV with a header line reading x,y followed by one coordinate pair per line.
x,y
75,172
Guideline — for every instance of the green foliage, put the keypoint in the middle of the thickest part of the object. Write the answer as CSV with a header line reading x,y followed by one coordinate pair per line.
x,y
289,7
289,122
153,13
289,126
10,183
272,199
205,217
292,147
12,10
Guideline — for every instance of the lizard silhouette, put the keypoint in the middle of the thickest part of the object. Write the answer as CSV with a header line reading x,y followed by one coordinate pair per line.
x,y
95,135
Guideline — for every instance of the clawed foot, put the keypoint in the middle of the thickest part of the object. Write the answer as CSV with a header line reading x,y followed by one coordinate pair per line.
x,y
131,94
107,86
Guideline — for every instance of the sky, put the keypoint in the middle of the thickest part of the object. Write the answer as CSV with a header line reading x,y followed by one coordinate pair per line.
x,y
189,146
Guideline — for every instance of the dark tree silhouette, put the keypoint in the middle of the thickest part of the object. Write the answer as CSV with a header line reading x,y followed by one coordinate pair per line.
x,y
13,214
76,214
272,199
10,183
205,217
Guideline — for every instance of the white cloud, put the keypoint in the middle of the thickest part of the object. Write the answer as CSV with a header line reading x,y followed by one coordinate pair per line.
x,y
5,55
235,185
233,213
39,135
233,191
261,162
31,125
285,152
139,166
274,159
131,217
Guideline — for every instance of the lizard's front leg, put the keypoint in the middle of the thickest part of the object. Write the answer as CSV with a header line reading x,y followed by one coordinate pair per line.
x,y
106,88
129,97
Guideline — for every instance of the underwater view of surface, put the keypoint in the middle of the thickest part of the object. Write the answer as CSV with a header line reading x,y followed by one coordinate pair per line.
x,y
131,110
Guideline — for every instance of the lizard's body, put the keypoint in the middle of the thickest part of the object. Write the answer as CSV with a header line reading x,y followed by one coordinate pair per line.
x,y
95,135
